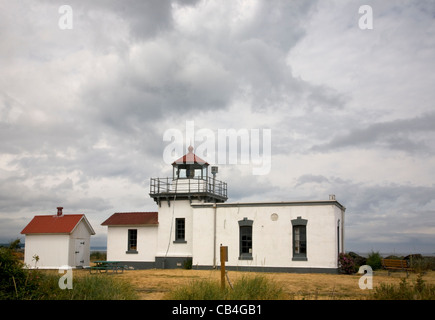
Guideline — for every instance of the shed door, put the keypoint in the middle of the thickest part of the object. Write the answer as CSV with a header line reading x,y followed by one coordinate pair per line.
x,y
80,252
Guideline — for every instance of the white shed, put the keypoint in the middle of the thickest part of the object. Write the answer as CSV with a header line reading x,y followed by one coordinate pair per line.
x,y
57,240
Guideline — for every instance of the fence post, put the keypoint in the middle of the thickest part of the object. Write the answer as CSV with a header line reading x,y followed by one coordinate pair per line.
x,y
223,254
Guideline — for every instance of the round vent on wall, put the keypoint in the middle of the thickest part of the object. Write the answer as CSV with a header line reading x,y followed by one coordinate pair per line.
x,y
274,216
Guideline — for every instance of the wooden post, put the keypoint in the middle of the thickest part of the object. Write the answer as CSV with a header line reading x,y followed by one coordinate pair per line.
x,y
223,255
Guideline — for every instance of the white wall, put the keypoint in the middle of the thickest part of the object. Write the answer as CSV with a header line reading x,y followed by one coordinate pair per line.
x,y
203,240
166,234
272,240
117,241
52,249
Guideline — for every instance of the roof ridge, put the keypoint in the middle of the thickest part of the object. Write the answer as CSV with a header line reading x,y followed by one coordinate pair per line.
x,y
65,223
63,214
132,218
137,212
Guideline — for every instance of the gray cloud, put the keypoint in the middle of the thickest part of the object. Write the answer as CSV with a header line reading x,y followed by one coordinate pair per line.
x,y
309,178
404,134
83,111
380,217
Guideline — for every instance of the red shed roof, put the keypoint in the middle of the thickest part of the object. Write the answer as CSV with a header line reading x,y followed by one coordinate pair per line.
x,y
132,218
55,224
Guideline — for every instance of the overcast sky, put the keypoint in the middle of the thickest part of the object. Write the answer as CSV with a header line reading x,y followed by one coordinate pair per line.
x,y
351,111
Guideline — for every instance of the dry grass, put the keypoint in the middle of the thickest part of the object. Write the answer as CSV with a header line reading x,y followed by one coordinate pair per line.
x,y
155,284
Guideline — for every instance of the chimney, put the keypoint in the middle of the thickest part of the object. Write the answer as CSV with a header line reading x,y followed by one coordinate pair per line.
x,y
59,211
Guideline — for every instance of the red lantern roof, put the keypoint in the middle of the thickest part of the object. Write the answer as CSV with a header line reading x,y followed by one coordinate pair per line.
x,y
190,158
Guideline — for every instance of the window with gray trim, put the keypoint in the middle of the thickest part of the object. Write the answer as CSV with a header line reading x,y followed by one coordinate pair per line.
x,y
299,245
180,230
245,239
132,241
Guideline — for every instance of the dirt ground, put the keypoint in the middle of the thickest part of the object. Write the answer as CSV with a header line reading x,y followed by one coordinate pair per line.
x,y
154,284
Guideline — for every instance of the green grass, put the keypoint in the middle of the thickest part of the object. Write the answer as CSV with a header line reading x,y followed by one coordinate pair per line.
x,y
247,288
90,287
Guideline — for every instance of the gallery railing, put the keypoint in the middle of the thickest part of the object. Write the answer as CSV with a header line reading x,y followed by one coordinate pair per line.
x,y
168,185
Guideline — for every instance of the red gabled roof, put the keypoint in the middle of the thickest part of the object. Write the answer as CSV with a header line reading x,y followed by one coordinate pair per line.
x,y
132,218
55,224
190,158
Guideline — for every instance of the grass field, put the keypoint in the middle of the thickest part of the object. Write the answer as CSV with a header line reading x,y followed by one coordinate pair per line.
x,y
155,284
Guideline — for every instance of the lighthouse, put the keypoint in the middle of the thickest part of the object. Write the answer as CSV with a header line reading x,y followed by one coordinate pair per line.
x,y
190,181
194,219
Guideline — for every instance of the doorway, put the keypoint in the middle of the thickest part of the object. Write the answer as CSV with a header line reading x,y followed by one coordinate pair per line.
x,y
80,252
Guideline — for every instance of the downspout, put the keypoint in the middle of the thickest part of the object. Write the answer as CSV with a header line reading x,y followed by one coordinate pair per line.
x,y
214,235
342,229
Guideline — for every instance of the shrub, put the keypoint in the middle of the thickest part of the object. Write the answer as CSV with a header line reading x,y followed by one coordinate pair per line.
x,y
16,282
24,284
422,264
98,255
90,287
187,264
198,290
374,260
346,263
405,291
358,260
256,288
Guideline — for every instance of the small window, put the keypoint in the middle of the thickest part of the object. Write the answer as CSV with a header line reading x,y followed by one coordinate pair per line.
x,y
245,240
180,230
299,239
132,241
245,236
198,174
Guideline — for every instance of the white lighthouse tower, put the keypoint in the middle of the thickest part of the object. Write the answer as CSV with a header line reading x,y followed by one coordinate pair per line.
x,y
190,183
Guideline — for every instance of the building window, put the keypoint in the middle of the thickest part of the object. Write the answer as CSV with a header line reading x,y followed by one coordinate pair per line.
x,y
299,239
132,241
180,230
245,235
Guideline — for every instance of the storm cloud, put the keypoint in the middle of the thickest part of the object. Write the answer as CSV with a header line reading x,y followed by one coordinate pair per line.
x,y
351,111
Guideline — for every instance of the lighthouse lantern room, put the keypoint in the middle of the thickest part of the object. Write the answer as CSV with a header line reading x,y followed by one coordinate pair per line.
x,y
190,180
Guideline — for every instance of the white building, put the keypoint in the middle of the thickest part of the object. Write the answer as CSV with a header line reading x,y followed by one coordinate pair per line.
x,y
132,238
193,221
57,240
